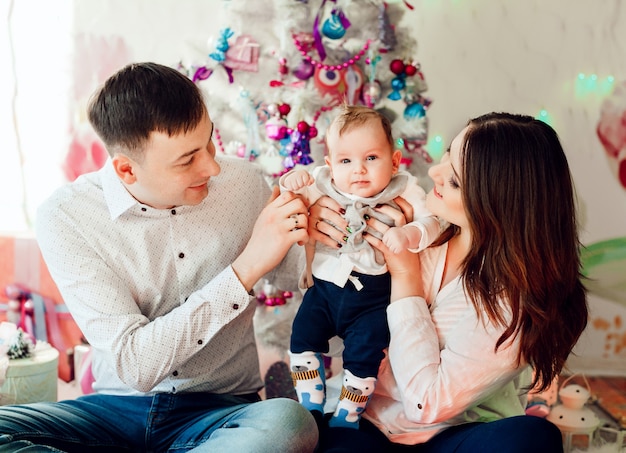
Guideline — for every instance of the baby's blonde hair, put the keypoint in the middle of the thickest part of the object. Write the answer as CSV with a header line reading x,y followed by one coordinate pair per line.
x,y
352,116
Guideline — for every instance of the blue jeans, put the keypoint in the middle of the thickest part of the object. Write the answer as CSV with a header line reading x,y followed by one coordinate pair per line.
x,y
161,423
521,434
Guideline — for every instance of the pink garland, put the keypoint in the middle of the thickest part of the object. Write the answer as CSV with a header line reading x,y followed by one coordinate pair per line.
x,y
303,50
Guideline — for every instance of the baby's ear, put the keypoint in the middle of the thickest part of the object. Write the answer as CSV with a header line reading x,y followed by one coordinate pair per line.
x,y
396,158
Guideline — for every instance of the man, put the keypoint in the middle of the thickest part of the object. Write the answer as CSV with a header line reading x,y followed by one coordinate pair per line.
x,y
156,256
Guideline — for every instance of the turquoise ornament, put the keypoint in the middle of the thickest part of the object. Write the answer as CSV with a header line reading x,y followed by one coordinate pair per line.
x,y
333,27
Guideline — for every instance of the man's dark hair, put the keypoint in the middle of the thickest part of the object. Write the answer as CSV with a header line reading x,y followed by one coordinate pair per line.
x,y
142,98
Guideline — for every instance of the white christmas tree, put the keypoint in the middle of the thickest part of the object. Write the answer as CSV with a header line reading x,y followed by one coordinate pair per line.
x,y
276,71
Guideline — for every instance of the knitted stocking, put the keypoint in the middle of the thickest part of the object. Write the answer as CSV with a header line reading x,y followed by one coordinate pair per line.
x,y
355,393
309,380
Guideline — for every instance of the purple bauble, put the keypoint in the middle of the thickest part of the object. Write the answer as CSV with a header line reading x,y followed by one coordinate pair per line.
x,y
305,70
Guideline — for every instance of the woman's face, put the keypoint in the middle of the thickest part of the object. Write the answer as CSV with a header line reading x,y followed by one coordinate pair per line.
x,y
445,199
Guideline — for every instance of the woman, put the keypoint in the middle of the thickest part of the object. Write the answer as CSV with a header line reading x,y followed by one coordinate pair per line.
x,y
500,290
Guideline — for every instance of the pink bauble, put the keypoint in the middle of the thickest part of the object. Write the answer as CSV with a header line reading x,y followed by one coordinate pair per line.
x,y
276,128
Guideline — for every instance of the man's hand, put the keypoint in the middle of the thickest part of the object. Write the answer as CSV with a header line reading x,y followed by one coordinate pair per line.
x,y
282,223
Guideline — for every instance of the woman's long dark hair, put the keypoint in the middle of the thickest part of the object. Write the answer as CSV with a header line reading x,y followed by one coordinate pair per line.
x,y
520,203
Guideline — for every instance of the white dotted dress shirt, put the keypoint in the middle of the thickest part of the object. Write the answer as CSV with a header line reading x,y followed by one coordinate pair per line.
x,y
153,290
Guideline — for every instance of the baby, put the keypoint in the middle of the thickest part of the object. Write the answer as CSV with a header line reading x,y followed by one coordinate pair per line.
x,y
349,286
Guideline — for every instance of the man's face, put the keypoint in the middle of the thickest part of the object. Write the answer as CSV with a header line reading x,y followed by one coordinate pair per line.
x,y
175,170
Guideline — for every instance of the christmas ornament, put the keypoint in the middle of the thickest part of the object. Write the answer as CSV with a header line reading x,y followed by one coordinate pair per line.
x,y
397,84
402,71
222,45
339,84
250,120
219,55
283,69
304,70
276,128
386,33
372,90
284,109
201,73
336,25
243,55
303,48
217,139
371,93
572,416
397,66
272,296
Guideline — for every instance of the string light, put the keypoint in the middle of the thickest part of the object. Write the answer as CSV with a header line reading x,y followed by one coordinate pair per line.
x,y
435,147
588,85
544,116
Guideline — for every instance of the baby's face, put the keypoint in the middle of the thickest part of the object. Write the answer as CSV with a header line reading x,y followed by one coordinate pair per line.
x,y
361,160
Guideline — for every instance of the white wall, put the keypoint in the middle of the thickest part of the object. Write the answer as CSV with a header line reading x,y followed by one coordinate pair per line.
x,y
477,56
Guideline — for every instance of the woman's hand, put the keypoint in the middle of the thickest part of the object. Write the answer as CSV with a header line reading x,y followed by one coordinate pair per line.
x,y
326,222
404,267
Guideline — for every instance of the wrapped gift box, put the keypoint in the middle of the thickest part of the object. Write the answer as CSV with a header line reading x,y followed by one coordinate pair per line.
x,y
31,379
21,263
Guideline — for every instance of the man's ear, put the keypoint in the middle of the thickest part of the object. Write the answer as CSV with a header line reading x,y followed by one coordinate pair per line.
x,y
396,158
124,168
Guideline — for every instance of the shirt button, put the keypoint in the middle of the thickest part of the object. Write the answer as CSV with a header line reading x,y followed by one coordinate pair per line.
x,y
235,306
173,211
199,341
175,373
181,255
173,389
419,405
143,209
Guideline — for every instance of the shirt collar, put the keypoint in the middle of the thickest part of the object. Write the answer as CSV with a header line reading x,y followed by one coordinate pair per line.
x,y
117,197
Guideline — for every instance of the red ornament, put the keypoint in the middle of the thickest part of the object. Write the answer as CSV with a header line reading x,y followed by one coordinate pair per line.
x,y
397,66
410,70
312,132
284,109
282,66
303,127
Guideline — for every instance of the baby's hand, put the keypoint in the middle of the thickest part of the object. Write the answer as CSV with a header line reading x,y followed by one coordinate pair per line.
x,y
396,239
297,179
